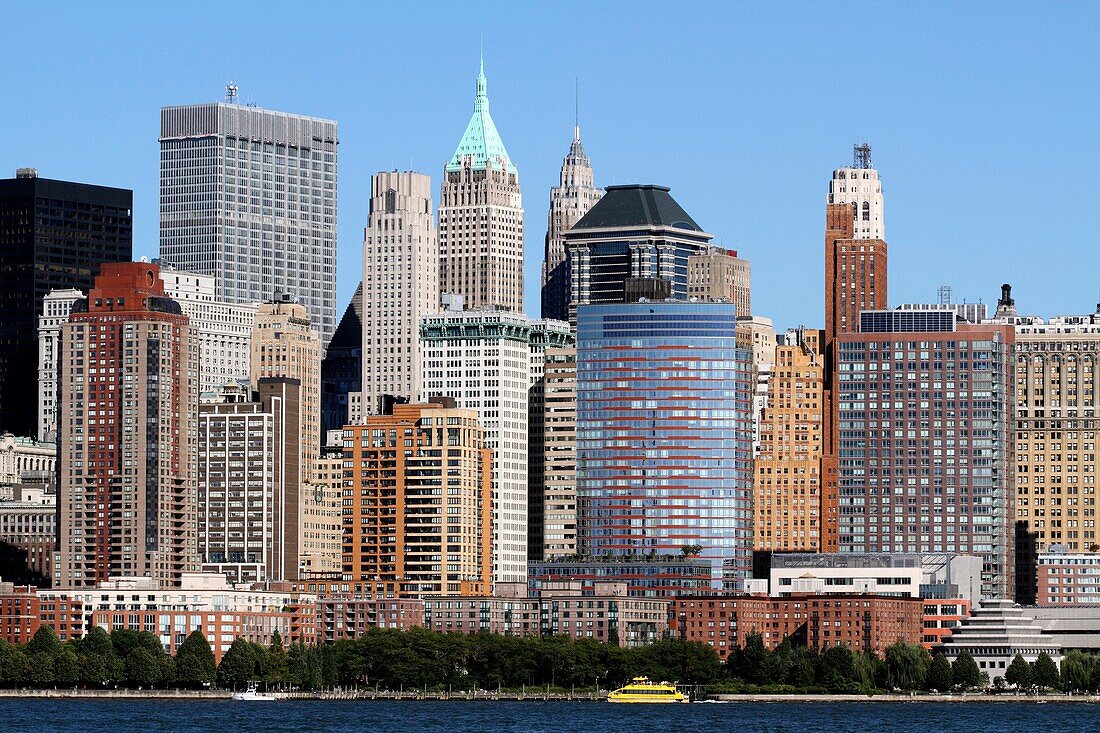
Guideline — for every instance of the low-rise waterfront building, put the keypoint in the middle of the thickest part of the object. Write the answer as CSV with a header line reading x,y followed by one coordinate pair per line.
x,y
350,618
649,577
1067,578
996,632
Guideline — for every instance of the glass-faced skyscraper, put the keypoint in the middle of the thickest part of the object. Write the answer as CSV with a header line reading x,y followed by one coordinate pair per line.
x,y
248,195
664,435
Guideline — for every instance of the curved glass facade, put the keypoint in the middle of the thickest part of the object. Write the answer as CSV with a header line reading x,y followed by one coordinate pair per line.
x,y
664,434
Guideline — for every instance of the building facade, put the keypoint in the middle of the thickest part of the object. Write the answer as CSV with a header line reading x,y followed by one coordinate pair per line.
x,y
28,538
53,236
485,359
56,306
400,538
664,457
719,274
128,400
481,217
859,187
924,413
223,330
995,633
342,367
248,196
401,284
351,617
787,510
570,200
1057,407
552,486
1067,578
635,232
659,577
322,516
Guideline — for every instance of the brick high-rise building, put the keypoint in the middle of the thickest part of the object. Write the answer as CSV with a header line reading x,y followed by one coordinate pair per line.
x,y
53,235
401,536
401,277
128,401
481,217
787,512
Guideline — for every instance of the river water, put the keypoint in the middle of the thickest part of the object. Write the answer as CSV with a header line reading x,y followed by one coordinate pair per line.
x,y
225,716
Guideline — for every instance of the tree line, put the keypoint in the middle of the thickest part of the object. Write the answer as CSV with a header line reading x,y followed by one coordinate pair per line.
x,y
389,659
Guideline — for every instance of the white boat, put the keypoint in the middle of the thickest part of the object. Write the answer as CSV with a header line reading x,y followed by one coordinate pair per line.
x,y
254,695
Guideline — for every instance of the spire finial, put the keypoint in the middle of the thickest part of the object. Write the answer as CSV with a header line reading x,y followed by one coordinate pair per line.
x,y
482,100
577,110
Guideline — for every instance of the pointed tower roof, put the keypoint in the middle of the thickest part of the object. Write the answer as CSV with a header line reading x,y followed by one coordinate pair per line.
x,y
481,139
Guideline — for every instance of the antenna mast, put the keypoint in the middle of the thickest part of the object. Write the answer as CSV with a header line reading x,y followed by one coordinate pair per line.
x,y
861,155
231,92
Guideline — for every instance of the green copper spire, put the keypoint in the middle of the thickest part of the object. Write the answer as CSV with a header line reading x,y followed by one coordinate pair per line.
x,y
481,141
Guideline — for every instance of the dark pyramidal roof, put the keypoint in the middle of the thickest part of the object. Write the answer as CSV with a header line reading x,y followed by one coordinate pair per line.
x,y
349,333
637,205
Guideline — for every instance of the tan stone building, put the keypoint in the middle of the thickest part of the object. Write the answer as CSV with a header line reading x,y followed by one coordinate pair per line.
x,y
719,274
418,492
128,407
285,344
481,217
552,506
322,521
787,508
1057,364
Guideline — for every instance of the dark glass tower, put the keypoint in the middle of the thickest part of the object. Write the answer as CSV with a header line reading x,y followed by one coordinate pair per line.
x,y
53,234
342,367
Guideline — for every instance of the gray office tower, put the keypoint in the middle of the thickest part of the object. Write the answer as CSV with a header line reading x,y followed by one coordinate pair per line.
x,y
248,195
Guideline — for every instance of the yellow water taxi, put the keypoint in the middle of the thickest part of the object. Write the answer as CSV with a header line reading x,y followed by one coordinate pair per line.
x,y
642,689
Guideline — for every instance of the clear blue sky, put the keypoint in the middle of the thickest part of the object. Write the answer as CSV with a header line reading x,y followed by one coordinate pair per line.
x,y
983,118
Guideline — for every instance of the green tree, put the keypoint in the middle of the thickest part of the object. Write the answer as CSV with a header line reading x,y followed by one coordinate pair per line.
x,y
238,666
751,659
906,666
1077,671
840,670
965,672
12,663
98,663
143,670
275,666
1045,672
66,667
1019,673
39,670
195,666
44,641
939,674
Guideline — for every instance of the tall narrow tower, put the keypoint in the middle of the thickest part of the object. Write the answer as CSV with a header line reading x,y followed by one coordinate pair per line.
x,y
401,285
481,217
570,200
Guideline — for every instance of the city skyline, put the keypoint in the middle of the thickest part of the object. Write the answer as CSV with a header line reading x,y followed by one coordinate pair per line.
x,y
1013,145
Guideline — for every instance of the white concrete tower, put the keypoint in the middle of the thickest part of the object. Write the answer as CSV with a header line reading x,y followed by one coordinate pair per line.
x,y
400,285
860,186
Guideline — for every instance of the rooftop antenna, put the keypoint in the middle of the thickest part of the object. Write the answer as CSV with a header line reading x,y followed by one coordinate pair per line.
x,y
946,294
861,155
577,109
231,92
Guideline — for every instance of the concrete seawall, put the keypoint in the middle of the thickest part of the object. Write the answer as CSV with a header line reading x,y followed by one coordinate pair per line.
x,y
121,694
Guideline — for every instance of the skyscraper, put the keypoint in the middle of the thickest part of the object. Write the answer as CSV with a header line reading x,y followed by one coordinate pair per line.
x,y
924,408
663,435
552,487
53,235
401,277
285,345
635,232
859,187
787,509
248,195
719,274
128,404
570,200
484,359
400,537
481,217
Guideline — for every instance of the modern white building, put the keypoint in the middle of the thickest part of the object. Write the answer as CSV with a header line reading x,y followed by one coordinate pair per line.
x,y
481,217
248,195
484,359
223,330
400,285
885,574
995,633
860,186
56,306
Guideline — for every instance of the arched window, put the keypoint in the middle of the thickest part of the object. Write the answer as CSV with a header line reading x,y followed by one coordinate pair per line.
x,y
866,211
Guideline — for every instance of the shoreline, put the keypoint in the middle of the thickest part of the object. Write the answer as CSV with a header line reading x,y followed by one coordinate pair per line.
x,y
359,695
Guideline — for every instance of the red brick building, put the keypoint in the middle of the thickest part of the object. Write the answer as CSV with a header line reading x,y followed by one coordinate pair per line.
x,y
860,622
941,616
348,618
23,610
